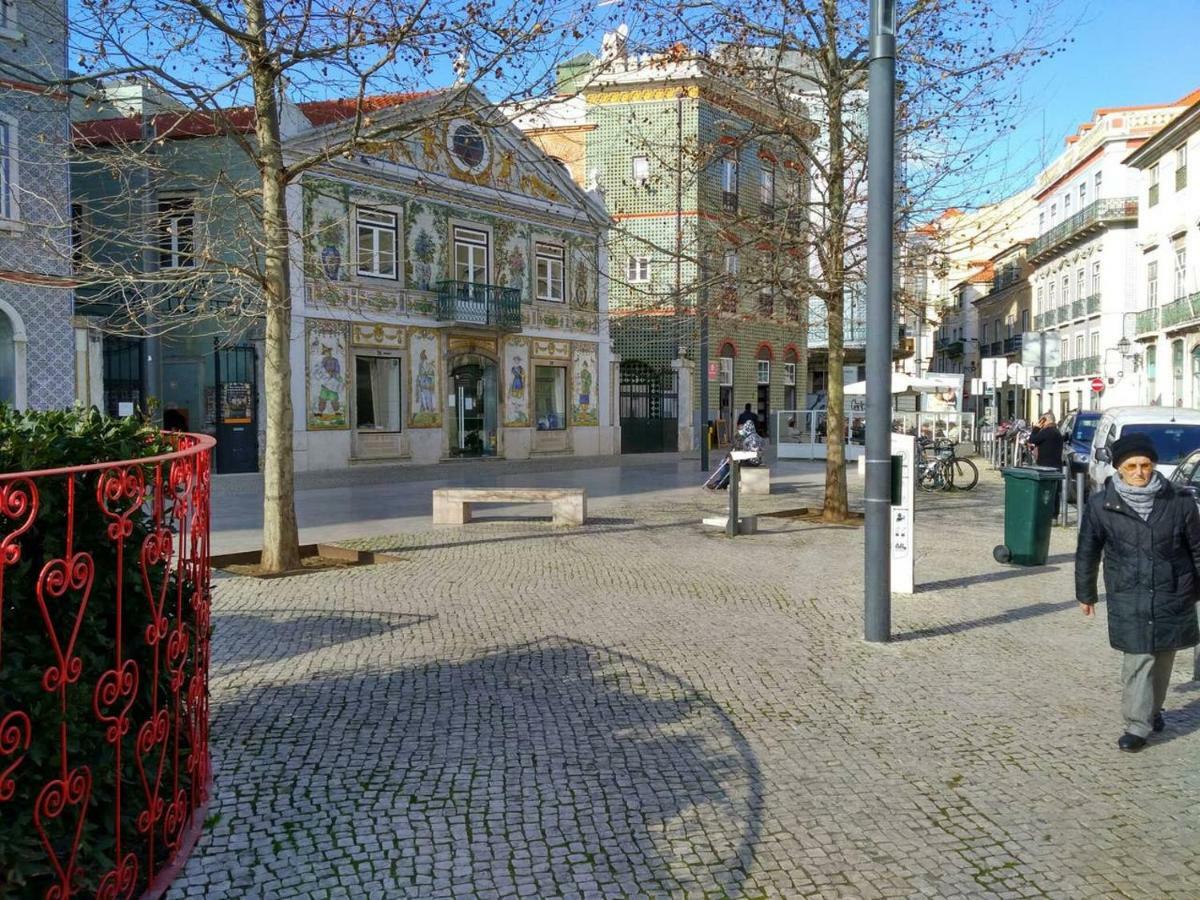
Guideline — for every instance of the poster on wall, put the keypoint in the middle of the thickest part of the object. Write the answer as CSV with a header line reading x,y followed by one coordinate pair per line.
x,y
947,396
516,384
423,353
326,375
584,402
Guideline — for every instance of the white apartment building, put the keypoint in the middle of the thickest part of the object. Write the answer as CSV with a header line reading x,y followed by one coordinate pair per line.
x,y
1086,260
1163,359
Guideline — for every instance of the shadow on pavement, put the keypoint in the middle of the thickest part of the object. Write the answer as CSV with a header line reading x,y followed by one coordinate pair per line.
x,y
1003,575
469,539
244,640
1011,615
513,760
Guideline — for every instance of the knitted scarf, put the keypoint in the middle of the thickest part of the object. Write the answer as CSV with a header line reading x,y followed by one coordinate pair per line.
x,y
1140,499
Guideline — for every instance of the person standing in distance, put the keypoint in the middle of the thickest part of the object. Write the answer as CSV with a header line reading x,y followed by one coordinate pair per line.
x,y
1148,535
747,415
1047,441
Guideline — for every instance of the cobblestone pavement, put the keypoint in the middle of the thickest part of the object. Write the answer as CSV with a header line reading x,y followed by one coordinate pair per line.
x,y
641,708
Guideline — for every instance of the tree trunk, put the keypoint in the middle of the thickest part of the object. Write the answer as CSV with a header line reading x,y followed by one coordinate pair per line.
x,y
281,537
836,504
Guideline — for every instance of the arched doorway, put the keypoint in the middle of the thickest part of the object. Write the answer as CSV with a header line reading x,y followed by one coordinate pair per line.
x,y
474,412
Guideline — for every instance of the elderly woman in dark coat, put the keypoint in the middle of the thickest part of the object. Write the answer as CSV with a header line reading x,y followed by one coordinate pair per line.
x,y
1149,536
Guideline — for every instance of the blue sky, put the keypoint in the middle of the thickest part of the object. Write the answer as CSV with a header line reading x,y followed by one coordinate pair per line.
x,y
1125,52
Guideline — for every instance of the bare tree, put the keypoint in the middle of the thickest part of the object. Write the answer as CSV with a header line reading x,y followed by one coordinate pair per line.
x,y
234,69
960,66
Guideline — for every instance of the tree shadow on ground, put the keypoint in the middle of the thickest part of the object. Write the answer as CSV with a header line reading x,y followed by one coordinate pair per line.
x,y
472,534
557,763
1001,618
243,640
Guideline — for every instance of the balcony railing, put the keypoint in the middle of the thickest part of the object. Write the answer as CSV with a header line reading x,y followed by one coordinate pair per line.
x,y
486,305
1008,274
1077,309
995,348
1090,365
954,348
1097,213
1064,313
1177,312
1012,345
1146,321
1093,304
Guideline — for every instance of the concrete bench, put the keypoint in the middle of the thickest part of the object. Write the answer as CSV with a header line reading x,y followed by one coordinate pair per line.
x,y
452,506
755,480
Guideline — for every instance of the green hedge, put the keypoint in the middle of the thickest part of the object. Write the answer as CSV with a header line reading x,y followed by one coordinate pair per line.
x,y
43,440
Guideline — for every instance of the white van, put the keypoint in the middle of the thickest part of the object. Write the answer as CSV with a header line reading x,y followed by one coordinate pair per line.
x,y
1175,432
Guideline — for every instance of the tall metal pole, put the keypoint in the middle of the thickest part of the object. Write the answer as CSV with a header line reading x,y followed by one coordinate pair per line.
x,y
881,173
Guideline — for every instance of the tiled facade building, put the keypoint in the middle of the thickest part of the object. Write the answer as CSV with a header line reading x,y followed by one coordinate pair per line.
x,y
37,340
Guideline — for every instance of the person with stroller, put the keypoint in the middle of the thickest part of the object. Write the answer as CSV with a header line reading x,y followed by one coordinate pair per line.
x,y
746,438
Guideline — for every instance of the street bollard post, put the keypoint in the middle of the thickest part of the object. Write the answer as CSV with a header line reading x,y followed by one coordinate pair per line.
x,y
735,477
1064,507
1080,497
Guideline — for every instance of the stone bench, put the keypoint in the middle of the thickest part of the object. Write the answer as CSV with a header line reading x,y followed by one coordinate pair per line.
x,y
755,480
452,506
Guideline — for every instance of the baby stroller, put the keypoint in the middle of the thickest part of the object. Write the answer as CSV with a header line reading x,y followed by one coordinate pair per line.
x,y
746,438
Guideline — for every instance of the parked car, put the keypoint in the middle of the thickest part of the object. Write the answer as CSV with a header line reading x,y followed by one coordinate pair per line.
x,y
1174,431
1078,429
1187,474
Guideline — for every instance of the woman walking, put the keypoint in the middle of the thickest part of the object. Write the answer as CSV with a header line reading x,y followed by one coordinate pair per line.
x,y
1149,537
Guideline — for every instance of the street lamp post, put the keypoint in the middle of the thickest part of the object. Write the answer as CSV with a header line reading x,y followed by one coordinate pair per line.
x,y
881,141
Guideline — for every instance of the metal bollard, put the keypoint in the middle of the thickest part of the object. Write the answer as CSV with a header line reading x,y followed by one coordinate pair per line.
x,y
1080,496
1064,507
735,477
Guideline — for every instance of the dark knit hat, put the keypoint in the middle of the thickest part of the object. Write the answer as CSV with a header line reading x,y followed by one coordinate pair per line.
x,y
1133,444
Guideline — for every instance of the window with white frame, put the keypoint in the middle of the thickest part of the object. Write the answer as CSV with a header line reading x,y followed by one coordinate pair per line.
x,y
1082,194
9,170
1067,205
1051,296
1153,197
1180,249
1079,346
1098,180
640,170
1181,167
1041,221
731,263
1041,296
472,255
1080,282
1053,213
764,371
726,379
176,233
377,243
1024,320
638,270
1152,284
729,181
550,272
983,333
766,185
789,374
1066,289
1095,339
1096,278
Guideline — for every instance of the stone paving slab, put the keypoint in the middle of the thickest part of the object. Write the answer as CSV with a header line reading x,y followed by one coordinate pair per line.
x,y
640,708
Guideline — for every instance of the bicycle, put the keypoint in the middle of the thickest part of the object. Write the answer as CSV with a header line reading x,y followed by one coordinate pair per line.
x,y
945,470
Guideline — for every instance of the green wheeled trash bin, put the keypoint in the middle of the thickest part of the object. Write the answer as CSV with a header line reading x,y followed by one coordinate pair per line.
x,y
1029,509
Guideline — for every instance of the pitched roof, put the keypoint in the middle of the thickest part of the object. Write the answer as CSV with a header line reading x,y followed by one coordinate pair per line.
x,y
323,112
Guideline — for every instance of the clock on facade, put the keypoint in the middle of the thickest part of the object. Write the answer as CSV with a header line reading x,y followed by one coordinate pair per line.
x,y
468,147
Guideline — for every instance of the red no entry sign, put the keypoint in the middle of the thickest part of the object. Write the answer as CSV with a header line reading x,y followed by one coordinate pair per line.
x,y
1097,385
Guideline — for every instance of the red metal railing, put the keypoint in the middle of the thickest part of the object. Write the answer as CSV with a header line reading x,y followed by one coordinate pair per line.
x,y
104,751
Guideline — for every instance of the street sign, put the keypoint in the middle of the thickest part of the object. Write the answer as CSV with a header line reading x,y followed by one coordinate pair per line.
x,y
993,369
1041,349
714,369
1097,385
904,446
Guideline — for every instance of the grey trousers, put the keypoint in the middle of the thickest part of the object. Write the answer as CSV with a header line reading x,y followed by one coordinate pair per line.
x,y
1145,677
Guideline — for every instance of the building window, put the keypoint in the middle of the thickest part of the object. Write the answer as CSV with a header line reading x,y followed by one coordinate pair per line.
x,y
983,333
1024,320
1096,278
1154,184
764,371
1066,206
377,244
9,208
1152,284
377,386
1095,339
638,269
471,255
550,272
1181,167
176,233
1180,249
789,374
726,379
731,263
1079,346
766,301
1082,194
1051,296
1041,221
1099,179
1066,288
80,234
1080,281
550,397
1041,296
8,362
729,182
1177,371
641,170
767,188
1053,213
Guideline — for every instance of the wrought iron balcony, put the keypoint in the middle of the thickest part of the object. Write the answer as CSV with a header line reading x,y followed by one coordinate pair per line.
x,y
1089,365
1077,309
954,348
1180,311
1064,313
1092,217
1146,321
485,305
1012,344
1093,304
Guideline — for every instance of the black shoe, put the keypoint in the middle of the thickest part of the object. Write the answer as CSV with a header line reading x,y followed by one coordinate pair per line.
x,y
1130,743
1158,724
